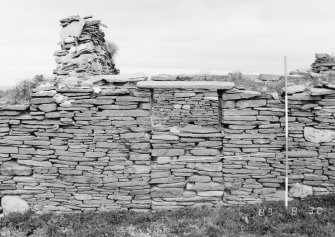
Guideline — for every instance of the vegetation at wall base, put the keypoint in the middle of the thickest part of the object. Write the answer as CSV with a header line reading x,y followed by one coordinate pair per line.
x,y
313,216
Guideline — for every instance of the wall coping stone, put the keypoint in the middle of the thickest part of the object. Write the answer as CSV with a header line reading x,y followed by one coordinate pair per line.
x,y
132,77
214,85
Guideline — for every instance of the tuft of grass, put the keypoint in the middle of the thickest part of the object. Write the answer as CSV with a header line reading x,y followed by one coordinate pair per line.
x,y
245,221
21,92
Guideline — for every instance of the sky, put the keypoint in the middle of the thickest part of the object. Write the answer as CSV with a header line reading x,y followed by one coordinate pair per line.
x,y
172,36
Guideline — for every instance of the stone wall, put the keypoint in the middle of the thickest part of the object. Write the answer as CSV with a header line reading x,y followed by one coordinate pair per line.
x,y
123,142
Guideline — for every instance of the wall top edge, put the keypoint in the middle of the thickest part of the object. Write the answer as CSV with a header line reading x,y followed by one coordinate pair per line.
x,y
212,85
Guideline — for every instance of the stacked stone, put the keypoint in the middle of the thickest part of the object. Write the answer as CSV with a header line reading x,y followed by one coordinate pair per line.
x,y
252,146
84,50
312,137
187,169
323,63
99,147
180,107
81,149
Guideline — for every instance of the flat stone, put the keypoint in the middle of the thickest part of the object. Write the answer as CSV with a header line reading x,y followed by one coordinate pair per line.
x,y
166,192
202,130
124,113
8,150
240,112
47,107
165,137
321,91
303,154
35,163
210,194
164,77
19,107
138,169
13,168
250,103
318,135
240,95
211,186
199,178
304,96
295,89
213,85
299,190
208,167
205,152
13,204
167,152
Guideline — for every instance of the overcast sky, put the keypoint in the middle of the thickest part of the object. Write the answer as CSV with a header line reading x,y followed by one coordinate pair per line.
x,y
172,36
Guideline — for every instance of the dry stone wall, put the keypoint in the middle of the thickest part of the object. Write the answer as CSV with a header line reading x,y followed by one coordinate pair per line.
x,y
101,146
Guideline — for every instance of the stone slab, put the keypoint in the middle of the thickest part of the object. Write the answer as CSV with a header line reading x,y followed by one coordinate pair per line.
x,y
212,85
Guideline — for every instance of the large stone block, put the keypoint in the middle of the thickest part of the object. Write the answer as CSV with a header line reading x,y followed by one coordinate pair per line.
x,y
11,204
300,190
303,154
318,135
13,168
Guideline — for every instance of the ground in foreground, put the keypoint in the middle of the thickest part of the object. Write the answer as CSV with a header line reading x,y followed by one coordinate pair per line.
x,y
313,216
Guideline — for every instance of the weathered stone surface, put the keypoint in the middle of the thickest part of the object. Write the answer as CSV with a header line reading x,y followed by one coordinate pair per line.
x,y
164,77
250,103
11,204
199,178
8,149
205,152
211,186
242,95
318,135
166,192
47,107
186,85
295,89
203,130
124,113
303,96
321,91
167,152
303,154
208,167
35,163
13,168
300,191
165,137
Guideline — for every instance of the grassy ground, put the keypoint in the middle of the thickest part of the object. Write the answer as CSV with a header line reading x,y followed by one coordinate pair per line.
x,y
266,219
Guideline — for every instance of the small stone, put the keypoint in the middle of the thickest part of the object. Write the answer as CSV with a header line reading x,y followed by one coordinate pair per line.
x,y
47,107
300,190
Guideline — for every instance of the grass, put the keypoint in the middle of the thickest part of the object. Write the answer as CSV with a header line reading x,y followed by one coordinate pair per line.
x,y
265,219
21,92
